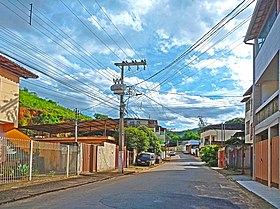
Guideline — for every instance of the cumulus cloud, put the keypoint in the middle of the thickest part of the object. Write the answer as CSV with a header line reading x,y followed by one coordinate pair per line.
x,y
162,34
156,33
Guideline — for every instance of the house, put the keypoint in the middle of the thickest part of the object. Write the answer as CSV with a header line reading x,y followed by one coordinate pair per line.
x,y
264,35
97,153
10,74
135,122
248,115
191,146
219,133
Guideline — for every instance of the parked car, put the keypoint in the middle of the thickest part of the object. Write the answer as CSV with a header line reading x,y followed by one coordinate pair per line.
x,y
186,152
146,158
172,153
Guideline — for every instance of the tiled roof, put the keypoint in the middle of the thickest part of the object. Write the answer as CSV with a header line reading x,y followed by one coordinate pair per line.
x,y
258,18
227,126
15,68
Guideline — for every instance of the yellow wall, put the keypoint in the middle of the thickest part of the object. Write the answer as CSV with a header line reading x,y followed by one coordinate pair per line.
x,y
9,98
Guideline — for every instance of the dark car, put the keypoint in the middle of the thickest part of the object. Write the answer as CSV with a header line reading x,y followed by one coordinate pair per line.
x,y
146,158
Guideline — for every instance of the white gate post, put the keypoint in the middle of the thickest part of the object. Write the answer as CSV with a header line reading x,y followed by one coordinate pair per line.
x,y
79,158
68,161
30,160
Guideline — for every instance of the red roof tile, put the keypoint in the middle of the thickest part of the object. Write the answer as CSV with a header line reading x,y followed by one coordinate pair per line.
x,y
15,68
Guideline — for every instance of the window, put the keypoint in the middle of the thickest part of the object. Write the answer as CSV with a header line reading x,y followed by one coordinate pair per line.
x,y
247,128
263,34
248,105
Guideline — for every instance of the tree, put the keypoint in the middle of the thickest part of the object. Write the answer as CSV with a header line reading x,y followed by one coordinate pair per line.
x,y
100,116
235,120
233,140
190,135
136,139
209,154
174,136
154,140
202,123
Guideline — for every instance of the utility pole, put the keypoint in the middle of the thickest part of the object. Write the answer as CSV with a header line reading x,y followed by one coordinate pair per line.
x,y
119,88
76,124
78,163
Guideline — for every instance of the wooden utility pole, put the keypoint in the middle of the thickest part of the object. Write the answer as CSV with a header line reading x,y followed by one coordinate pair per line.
x,y
119,88
76,124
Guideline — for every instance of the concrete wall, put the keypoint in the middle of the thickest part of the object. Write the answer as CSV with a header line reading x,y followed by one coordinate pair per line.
x,y
106,157
9,97
248,131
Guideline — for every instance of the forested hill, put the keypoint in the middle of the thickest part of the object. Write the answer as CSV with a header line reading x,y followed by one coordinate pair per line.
x,y
35,110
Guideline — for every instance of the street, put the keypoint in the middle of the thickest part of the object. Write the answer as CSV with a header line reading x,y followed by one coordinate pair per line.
x,y
182,182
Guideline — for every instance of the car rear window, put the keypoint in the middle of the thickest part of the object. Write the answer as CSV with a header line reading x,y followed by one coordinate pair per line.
x,y
144,156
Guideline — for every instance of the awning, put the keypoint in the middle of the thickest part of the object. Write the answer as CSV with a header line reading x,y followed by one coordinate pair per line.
x,y
83,126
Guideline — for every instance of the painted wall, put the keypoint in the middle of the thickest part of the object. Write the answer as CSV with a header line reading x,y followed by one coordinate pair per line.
x,y
216,135
9,98
106,157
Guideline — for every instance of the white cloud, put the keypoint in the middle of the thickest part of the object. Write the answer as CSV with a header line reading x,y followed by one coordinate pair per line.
x,y
151,27
242,71
127,19
141,7
188,80
162,34
68,63
210,63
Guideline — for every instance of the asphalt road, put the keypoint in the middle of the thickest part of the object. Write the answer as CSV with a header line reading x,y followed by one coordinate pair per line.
x,y
181,183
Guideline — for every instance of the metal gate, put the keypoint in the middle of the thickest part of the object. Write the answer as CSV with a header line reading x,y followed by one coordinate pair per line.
x,y
89,158
262,161
275,161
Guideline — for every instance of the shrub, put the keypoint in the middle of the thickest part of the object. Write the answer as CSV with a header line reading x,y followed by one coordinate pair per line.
x,y
209,155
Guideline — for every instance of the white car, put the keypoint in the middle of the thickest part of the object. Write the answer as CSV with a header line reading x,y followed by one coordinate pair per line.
x,y
172,153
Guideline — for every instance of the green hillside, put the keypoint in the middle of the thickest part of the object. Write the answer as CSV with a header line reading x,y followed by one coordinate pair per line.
x,y
35,110
182,133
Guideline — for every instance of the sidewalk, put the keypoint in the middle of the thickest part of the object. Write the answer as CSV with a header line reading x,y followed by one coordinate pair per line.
x,y
271,195
23,190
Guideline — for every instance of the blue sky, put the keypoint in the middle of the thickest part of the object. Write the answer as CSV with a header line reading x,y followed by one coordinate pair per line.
x,y
73,45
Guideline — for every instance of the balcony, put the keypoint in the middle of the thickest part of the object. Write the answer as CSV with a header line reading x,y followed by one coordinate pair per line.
x,y
267,109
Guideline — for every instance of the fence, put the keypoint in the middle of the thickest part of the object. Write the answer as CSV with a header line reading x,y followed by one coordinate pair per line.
x,y
239,157
22,160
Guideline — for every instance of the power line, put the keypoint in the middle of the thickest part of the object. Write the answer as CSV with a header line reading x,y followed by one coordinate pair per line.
x,y
102,27
65,41
62,82
55,74
90,29
116,28
205,37
23,51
